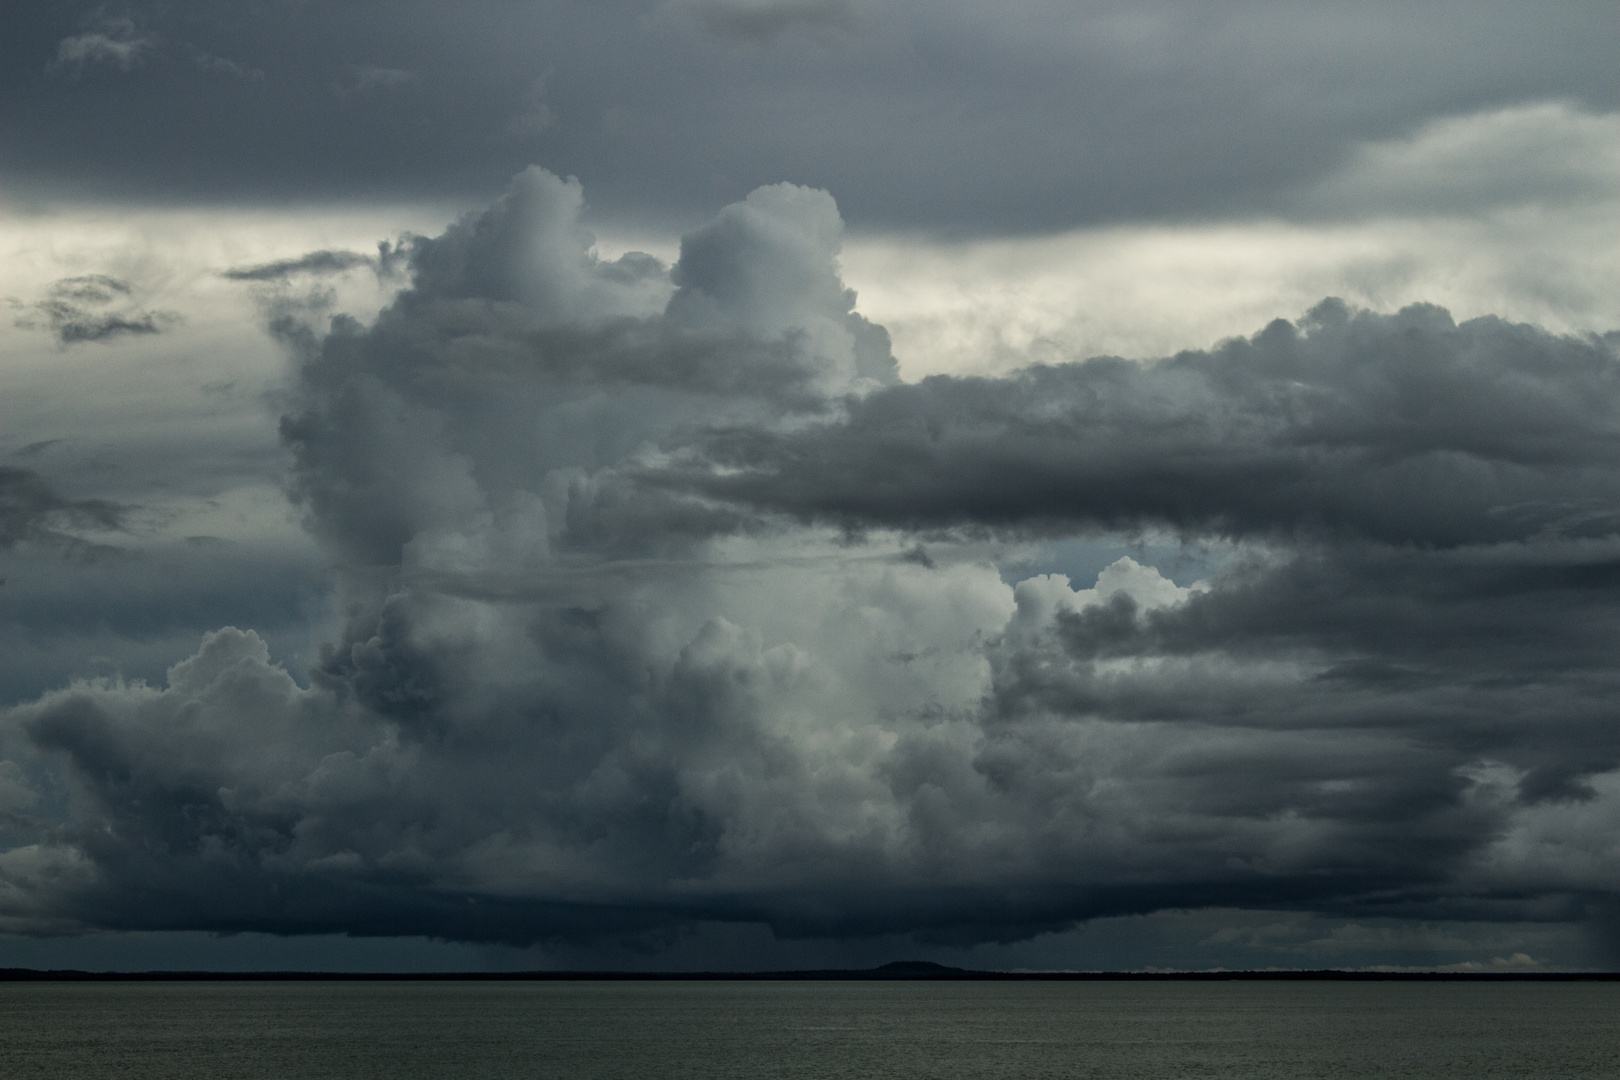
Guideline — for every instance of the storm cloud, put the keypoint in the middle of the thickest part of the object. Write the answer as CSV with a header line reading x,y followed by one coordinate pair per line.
x,y
1402,429
662,600
943,117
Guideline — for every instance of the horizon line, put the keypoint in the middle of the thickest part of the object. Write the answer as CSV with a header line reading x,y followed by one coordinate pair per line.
x,y
895,971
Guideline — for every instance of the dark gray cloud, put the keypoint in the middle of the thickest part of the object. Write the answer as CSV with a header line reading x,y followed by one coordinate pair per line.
x,y
1432,506
661,602
316,262
73,325
94,307
130,611
31,510
945,117
1403,429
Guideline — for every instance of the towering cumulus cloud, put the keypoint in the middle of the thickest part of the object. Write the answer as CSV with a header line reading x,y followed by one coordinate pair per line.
x,y
663,599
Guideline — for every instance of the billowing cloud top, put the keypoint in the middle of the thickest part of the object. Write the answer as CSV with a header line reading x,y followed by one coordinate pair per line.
x,y
664,600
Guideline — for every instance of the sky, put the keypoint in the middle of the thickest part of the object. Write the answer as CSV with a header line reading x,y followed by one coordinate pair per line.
x,y
762,484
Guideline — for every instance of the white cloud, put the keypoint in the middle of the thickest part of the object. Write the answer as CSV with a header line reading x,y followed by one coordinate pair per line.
x,y
1040,598
1548,155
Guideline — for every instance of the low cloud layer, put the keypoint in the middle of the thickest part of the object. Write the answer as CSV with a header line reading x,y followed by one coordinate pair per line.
x,y
664,601
943,117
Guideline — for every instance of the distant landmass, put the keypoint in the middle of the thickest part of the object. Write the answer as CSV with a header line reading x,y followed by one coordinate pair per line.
x,y
913,970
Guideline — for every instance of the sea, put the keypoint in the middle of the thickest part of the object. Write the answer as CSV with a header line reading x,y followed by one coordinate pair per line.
x,y
822,1030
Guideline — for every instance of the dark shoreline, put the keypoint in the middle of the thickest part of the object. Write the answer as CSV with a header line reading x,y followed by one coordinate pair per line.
x,y
902,971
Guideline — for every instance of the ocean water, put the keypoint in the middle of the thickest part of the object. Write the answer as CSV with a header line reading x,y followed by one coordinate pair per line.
x,y
822,1030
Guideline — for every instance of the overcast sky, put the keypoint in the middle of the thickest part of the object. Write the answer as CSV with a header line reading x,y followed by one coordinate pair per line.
x,y
794,483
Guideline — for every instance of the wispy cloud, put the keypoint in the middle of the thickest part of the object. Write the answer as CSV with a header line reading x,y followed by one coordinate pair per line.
x,y
371,81
763,21
390,260
94,307
219,65
108,40
316,262
31,510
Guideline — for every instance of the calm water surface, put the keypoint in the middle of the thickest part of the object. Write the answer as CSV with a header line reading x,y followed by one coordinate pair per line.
x,y
579,1031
